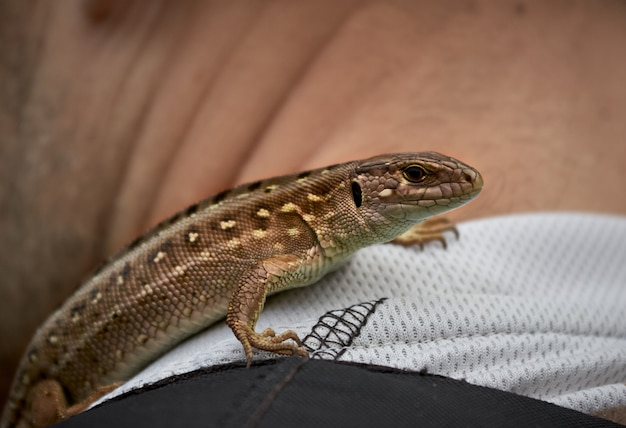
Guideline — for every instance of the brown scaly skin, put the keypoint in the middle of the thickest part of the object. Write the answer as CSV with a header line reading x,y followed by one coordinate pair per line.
x,y
222,257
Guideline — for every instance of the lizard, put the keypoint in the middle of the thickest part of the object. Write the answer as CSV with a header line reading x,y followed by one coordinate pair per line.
x,y
221,258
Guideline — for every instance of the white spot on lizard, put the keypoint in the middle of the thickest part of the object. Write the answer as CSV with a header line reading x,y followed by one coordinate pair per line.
x,y
229,224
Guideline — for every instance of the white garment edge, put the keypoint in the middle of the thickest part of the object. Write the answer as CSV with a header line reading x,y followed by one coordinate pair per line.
x,y
532,304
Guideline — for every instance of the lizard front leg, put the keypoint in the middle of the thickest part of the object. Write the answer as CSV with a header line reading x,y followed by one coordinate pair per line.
x,y
431,229
276,273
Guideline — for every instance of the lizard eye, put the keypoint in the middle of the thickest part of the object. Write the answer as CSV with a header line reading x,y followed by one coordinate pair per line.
x,y
414,173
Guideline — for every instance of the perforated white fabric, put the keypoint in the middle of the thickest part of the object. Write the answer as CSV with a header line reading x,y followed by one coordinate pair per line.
x,y
532,304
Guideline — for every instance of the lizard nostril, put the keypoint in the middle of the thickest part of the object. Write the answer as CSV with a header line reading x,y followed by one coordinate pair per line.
x,y
475,178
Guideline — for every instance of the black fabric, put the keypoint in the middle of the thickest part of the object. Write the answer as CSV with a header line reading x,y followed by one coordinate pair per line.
x,y
295,392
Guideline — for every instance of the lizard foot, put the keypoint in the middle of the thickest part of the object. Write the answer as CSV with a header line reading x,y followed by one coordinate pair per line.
x,y
95,395
429,230
268,341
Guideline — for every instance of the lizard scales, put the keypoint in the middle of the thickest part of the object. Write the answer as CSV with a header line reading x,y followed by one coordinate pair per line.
x,y
221,257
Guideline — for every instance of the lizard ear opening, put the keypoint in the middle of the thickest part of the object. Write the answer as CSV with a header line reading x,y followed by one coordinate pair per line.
x,y
357,195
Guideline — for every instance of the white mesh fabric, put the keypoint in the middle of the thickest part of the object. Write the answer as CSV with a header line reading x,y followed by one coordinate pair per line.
x,y
532,304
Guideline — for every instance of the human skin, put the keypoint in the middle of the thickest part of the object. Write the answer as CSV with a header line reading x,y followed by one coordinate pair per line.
x,y
115,114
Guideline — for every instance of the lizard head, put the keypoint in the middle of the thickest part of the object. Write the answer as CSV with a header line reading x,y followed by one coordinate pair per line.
x,y
411,187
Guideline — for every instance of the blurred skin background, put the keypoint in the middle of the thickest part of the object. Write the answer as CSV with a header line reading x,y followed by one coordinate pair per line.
x,y
117,113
